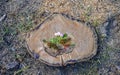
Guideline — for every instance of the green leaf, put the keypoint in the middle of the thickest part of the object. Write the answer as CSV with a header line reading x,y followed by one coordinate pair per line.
x,y
65,35
58,39
53,40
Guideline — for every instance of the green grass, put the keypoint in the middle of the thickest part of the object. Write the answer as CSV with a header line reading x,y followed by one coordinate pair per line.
x,y
25,26
21,70
95,23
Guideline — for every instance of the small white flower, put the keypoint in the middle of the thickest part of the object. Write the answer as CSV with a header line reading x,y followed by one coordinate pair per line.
x,y
58,34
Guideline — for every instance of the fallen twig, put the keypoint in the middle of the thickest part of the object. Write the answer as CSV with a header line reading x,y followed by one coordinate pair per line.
x,y
3,17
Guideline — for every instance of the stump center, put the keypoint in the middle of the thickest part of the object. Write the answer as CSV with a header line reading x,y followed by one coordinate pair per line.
x,y
61,43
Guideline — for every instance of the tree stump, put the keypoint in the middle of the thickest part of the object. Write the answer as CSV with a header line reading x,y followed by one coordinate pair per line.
x,y
84,37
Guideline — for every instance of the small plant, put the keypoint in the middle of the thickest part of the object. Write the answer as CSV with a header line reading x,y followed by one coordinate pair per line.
x,y
59,39
59,42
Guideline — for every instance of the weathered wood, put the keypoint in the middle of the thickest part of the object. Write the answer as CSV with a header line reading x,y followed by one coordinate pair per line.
x,y
84,37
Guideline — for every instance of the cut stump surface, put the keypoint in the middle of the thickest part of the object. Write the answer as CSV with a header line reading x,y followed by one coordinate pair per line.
x,y
84,37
